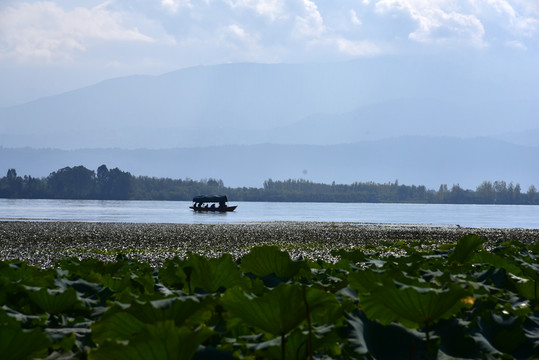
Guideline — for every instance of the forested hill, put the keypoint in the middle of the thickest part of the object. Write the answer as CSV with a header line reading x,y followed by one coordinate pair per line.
x,y
114,184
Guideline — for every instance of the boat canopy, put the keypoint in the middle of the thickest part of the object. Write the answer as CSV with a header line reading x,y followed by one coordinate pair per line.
x,y
210,198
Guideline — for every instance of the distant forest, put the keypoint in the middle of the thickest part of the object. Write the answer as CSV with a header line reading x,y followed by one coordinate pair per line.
x,y
114,184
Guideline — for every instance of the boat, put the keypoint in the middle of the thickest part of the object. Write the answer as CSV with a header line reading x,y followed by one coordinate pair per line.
x,y
200,203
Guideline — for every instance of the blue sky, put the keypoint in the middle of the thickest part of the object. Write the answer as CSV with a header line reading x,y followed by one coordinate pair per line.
x,y
47,47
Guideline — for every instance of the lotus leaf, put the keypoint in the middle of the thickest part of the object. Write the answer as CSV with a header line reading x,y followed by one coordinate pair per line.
x,y
506,334
412,306
496,261
465,249
160,341
116,327
266,260
527,288
210,275
372,338
354,256
180,310
283,308
55,301
16,343
171,274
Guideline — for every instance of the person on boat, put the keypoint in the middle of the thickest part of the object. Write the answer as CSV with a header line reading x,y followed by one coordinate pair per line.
x,y
222,205
212,206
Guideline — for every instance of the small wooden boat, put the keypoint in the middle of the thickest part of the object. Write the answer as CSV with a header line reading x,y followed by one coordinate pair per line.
x,y
200,203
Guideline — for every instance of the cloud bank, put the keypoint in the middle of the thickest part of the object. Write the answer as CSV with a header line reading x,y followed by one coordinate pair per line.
x,y
198,31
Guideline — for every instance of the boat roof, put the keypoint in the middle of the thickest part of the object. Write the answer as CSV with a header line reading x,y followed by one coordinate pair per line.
x,y
210,198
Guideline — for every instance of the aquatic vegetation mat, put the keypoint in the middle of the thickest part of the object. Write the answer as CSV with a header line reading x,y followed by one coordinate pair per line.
x,y
399,302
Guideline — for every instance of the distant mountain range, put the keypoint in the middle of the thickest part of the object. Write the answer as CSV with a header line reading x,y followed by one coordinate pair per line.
x,y
247,104
428,161
417,120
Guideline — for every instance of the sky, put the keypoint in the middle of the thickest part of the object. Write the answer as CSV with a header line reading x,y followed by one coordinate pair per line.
x,y
48,47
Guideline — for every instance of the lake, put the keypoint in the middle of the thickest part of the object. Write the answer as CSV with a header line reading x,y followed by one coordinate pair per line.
x,y
501,216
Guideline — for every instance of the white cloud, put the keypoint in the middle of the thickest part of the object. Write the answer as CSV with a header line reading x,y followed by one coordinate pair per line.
x,y
45,31
174,5
438,21
529,7
310,24
353,17
516,45
520,23
237,32
238,38
272,9
357,48
120,32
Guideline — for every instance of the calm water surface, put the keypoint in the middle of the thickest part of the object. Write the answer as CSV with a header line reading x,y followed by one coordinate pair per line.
x,y
502,216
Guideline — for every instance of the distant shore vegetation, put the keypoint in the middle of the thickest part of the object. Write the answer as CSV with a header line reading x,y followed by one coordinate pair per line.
x,y
114,184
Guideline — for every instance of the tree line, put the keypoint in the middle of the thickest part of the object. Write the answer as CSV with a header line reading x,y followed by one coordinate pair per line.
x,y
114,184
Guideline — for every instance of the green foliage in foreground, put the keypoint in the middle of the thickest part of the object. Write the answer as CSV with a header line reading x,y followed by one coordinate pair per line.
x,y
459,302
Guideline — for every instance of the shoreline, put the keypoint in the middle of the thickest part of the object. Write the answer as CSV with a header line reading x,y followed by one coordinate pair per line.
x,y
44,243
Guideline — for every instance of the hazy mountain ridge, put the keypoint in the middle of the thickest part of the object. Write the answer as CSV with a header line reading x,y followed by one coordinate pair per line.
x,y
430,117
428,161
277,103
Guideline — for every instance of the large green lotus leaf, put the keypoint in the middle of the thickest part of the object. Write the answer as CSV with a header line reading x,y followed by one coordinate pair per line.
x,y
67,342
92,269
413,306
529,267
324,307
391,341
14,295
531,328
115,283
331,280
491,278
465,249
160,341
506,334
283,308
325,340
82,286
16,343
354,256
55,302
526,288
266,260
144,285
457,340
496,261
295,348
88,291
277,312
211,274
21,272
364,281
194,309
171,274
118,326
